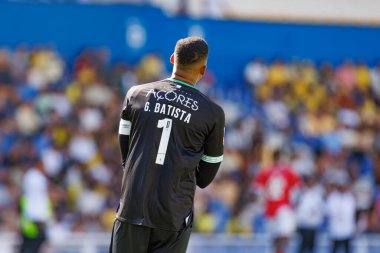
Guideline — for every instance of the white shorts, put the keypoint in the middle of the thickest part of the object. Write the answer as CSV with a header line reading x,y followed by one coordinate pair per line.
x,y
283,224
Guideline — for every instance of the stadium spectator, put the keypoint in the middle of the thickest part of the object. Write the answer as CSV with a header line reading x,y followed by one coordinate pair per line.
x,y
35,208
309,213
375,79
255,72
346,75
340,211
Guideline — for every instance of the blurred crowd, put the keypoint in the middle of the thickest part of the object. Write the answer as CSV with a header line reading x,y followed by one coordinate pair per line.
x,y
66,115
325,119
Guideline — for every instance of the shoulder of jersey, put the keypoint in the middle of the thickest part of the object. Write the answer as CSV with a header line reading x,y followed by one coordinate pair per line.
x,y
150,85
216,108
139,87
219,109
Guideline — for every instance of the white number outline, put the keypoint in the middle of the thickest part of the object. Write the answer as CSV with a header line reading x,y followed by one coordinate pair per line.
x,y
166,124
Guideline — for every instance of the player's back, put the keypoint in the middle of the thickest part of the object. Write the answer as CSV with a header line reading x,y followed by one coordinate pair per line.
x,y
277,181
171,121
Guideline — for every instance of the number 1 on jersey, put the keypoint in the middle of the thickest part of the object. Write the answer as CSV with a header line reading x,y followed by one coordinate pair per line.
x,y
166,124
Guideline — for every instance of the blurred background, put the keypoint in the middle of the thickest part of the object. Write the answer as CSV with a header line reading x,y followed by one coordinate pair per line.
x,y
298,76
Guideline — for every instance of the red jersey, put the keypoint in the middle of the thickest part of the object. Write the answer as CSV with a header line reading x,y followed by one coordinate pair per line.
x,y
277,182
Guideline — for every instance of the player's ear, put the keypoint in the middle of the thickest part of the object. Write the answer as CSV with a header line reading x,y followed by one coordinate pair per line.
x,y
172,59
202,70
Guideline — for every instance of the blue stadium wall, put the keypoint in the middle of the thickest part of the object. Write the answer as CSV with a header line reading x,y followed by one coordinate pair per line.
x,y
70,27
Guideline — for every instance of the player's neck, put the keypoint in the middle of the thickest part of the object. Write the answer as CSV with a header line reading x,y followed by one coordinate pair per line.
x,y
184,77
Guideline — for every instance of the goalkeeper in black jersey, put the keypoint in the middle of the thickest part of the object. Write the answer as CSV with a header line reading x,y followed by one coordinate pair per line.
x,y
171,139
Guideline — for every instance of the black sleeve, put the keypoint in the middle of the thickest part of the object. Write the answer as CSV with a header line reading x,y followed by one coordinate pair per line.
x,y
205,173
214,144
124,148
213,152
124,129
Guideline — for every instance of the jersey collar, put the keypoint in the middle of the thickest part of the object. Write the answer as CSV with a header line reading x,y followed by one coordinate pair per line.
x,y
181,82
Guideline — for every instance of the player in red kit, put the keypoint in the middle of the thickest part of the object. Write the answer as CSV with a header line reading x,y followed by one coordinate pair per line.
x,y
276,183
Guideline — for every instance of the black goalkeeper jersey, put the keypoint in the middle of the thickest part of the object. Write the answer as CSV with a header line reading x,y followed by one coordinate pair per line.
x,y
172,127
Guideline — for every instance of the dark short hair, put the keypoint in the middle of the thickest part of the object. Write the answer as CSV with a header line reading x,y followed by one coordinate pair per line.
x,y
190,50
277,155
